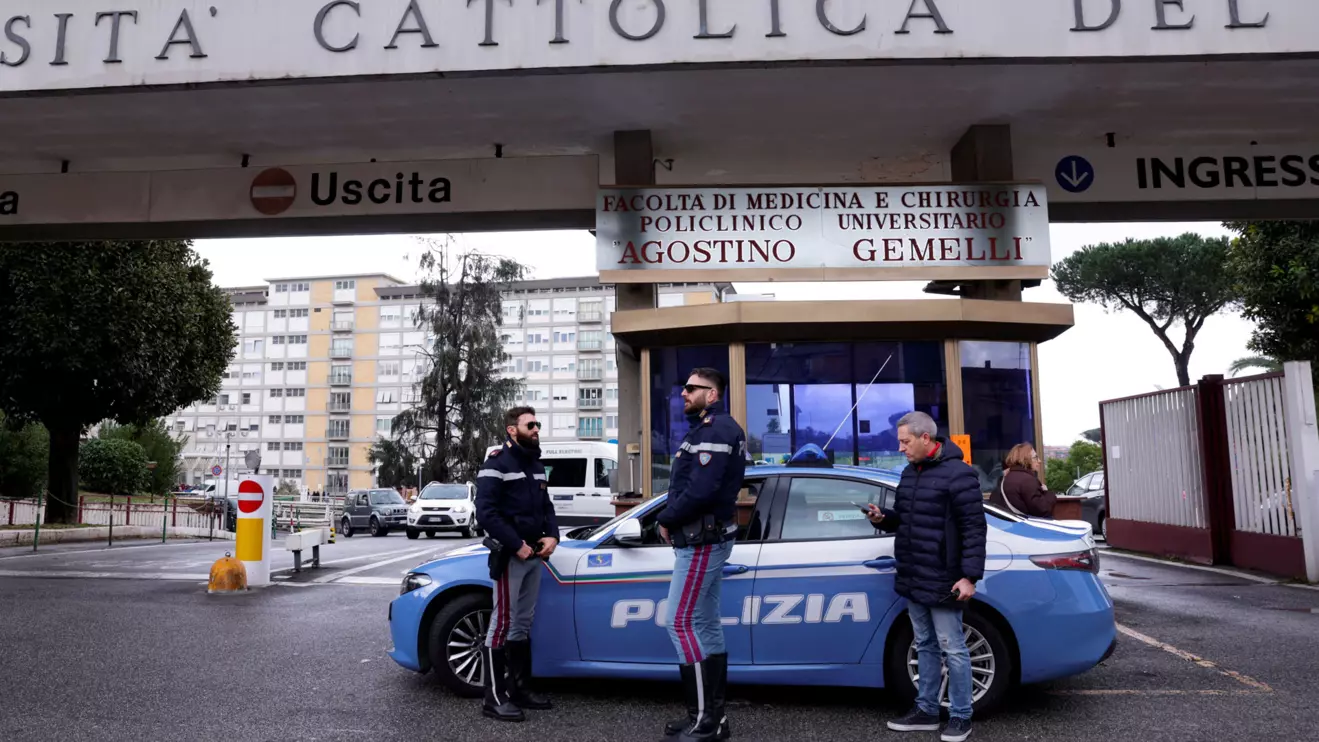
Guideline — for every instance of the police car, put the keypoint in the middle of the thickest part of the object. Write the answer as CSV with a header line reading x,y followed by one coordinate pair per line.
x,y
808,598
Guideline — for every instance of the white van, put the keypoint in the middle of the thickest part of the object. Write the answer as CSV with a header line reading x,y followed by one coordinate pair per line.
x,y
578,476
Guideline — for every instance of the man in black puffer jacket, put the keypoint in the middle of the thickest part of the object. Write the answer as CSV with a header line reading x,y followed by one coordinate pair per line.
x,y
939,519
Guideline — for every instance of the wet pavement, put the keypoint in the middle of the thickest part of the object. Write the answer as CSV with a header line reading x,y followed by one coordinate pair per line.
x,y
124,644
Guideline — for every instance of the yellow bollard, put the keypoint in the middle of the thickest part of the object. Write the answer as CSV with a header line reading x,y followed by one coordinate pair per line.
x,y
228,575
331,533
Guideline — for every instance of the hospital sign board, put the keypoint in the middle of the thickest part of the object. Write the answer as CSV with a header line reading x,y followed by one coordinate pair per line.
x,y
823,233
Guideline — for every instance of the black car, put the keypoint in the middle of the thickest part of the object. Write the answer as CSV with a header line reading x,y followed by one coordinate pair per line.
x,y
1094,506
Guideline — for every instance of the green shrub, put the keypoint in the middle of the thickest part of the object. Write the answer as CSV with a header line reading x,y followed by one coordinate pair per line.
x,y
112,466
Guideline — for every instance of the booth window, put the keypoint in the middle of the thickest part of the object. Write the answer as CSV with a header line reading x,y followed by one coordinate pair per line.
x,y
669,368
799,393
997,403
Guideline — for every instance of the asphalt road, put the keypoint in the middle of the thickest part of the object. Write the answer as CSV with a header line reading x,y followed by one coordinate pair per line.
x,y
142,653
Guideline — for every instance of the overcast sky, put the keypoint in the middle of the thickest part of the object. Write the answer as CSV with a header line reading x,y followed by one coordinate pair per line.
x,y
1102,357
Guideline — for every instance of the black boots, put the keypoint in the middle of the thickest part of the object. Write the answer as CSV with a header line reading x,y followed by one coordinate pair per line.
x,y
704,685
519,677
498,695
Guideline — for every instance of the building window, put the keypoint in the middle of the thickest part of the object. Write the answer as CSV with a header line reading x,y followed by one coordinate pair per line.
x,y
997,403
280,313
341,401
296,313
297,339
611,422
337,456
281,288
275,419
386,396
384,425
295,392
272,446
277,366
343,285
252,347
224,399
387,368
277,340
292,474
299,287
247,398
293,419
276,392
339,428
297,365
292,445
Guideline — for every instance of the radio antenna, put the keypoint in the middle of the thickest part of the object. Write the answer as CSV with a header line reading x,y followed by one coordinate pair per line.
x,y
848,416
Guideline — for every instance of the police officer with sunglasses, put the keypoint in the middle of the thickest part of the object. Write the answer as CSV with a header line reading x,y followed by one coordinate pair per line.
x,y
700,520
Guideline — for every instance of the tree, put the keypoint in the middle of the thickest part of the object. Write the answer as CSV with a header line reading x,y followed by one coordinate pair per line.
x,y
1165,281
1276,269
112,466
1082,458
160,446
23,453
462,396
1266,364
396,465
90,331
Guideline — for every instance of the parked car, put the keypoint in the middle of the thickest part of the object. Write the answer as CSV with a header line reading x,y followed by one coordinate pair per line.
x,y
375,510
808,598
444,507
1094,506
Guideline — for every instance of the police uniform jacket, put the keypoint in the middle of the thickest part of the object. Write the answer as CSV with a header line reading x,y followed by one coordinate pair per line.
x,y
512,498
707,472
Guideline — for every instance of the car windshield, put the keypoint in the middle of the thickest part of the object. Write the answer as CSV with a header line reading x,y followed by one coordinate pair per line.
x,y
444,492
386,497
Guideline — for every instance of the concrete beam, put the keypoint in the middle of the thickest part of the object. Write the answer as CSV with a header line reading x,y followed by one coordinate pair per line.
x,y
634,165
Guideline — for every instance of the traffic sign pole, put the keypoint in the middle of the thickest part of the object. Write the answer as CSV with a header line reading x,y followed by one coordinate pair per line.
x,y
253,539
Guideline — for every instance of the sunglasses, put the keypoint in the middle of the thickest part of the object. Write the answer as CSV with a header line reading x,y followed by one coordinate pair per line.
x,y
533,425
691,388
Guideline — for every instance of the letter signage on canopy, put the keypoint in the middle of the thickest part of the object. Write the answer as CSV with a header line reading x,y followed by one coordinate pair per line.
x,y
824,233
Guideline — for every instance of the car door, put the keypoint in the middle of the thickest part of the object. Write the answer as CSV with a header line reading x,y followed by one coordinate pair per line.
x,y
361,510
594,500
566,481
622,594
825,579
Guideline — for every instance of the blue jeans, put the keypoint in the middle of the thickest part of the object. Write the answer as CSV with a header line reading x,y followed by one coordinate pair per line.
x,y
692,613
939,631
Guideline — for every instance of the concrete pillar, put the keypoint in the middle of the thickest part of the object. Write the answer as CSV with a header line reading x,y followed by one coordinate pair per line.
x,y
982,155
1303,448
634,158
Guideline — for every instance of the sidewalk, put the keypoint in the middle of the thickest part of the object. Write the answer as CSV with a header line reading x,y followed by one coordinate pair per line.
x,y
1260,577
73,535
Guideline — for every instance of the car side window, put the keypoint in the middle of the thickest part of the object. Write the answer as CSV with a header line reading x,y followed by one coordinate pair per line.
x,y
1081,485
821,508
1097,483
602,469
565,472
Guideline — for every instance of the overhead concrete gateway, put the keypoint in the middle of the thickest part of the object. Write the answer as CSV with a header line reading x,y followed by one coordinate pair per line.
x,y
249,117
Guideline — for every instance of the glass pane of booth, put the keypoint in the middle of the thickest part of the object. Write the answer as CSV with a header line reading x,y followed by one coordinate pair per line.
x,y
669,368
998,403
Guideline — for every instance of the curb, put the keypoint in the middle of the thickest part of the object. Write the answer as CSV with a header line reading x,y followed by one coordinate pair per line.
x,y
77,535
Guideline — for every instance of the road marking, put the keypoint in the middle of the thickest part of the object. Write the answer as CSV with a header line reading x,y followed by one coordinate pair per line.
x,y
1245,680
1150,692
1303,587
109,575
373,565
1201,567
391,581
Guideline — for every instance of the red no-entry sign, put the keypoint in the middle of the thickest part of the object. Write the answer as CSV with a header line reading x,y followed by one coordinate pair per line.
x,y
273,191
250,496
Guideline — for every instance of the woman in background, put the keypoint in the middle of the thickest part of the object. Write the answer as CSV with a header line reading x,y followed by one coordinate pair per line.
x,y
1021,490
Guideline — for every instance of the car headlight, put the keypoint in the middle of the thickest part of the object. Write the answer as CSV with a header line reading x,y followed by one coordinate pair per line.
x,y
413,581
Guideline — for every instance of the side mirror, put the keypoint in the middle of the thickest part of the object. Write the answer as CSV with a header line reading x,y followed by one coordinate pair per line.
x,y
628,533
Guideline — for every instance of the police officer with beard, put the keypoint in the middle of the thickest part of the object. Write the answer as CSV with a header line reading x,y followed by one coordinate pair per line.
x,y
513,505
700,520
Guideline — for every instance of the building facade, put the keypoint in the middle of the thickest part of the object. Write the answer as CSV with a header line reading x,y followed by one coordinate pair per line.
x,y
322,365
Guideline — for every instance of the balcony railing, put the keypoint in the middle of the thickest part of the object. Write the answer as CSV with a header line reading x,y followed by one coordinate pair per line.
x,y
590,374
590,404
337,463
341,379
336,434
341,352
590,433
591,317
341,406
342,325
590,344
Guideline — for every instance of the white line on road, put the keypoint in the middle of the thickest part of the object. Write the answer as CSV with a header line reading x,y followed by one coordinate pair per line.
x,y
1203,568
373,565
1245,680
391,581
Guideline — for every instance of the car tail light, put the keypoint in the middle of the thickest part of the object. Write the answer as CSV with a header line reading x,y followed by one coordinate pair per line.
x,y
1085,561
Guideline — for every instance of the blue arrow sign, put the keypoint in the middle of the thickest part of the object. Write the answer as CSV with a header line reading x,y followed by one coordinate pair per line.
x,y
1075,174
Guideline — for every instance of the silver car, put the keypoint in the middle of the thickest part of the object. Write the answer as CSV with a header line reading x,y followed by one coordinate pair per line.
x,y
377,511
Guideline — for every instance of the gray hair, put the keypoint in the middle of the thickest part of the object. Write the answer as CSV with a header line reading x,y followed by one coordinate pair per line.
x,y
919,424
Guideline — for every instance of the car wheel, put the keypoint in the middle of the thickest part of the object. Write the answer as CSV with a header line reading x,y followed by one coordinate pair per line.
x,y
413,533
432,534
457,638
1103,527
991,663
346,528
480,532
376,529
465,533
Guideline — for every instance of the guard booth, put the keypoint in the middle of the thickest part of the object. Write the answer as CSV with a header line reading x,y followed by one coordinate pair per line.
x,y
836,374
